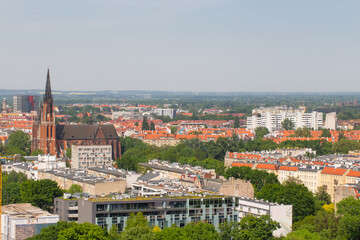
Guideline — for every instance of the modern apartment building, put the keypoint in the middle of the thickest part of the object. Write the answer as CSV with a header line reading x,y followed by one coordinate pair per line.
x,y
25,103
83,157
165,112
272,121
165,212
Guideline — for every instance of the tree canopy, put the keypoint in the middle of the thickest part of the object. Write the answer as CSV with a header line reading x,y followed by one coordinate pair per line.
x,y
287,124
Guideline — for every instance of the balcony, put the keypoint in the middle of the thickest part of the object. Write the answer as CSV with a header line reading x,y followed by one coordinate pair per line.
x,y
73,208
73,215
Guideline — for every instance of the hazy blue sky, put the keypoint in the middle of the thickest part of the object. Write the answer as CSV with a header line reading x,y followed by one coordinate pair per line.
x,y
195,45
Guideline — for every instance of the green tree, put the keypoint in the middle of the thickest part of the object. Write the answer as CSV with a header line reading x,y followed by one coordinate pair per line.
x,y
83,231
145,124
68,153
75,188
173,130
292,193
37,152
152,126
18,143
251,227
345,145
40,193
322,195
302,132
287,124
137,228
326,133
201,231
341,136
11,193
349,224
52,232
258,178
261,132
236,122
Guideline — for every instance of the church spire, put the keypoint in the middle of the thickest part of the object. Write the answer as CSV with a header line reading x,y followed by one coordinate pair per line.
x,y
48,87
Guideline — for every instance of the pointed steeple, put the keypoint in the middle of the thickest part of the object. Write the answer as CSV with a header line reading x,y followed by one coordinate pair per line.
x,y
48,87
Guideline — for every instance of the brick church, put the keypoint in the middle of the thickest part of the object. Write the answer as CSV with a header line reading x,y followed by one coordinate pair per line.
x,y
56,139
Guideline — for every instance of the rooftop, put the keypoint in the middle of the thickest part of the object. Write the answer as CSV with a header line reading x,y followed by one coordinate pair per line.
x,y
24,210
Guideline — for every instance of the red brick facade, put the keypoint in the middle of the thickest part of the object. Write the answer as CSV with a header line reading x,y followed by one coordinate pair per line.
x,y
56,139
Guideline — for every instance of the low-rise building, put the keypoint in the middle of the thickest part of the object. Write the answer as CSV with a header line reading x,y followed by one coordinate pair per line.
x,y
90,184
21,221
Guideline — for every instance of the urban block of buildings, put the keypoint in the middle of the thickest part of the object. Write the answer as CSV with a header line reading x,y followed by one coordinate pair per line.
x,y
56,139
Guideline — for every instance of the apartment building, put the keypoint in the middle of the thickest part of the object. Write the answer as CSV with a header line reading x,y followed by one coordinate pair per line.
x,y
280,213
331,121
165,212
272,121
90,184
166,112
85,156
25,103
278,109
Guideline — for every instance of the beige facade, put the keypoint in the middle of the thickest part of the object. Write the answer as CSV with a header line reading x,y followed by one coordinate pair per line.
x,y
91,187
162,142
310,178
332,181
83,157
237,188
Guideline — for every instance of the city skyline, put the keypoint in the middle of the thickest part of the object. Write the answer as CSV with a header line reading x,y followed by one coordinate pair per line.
x,y
201,46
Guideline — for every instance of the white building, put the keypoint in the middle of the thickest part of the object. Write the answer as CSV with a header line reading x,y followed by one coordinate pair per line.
x,y
331,121
165,112
21,221
83,157
272,121
280,213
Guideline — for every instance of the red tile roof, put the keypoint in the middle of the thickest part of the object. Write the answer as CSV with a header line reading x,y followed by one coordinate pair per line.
x,y
334,171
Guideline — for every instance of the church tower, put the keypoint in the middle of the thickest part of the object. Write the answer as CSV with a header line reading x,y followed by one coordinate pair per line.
x,y
44,130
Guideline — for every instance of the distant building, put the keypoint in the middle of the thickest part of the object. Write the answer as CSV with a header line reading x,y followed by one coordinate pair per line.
x,y
56,139
25,103
166,112
331,121
22,221
278,109
4,105
272,121
83,157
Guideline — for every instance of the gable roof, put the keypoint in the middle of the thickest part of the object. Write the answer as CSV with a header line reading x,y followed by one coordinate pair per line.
x,y
334,171
238,164
85,131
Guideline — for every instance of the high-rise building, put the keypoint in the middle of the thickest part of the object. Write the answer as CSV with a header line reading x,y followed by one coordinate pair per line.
x,y
25,103
331,121
4,105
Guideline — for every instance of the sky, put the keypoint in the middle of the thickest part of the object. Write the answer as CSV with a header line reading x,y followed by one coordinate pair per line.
x,y
184,45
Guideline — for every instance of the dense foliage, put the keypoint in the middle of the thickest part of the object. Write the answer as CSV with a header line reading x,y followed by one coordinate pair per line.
x,y
328,224
258,178
137,228
290,193
17,189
